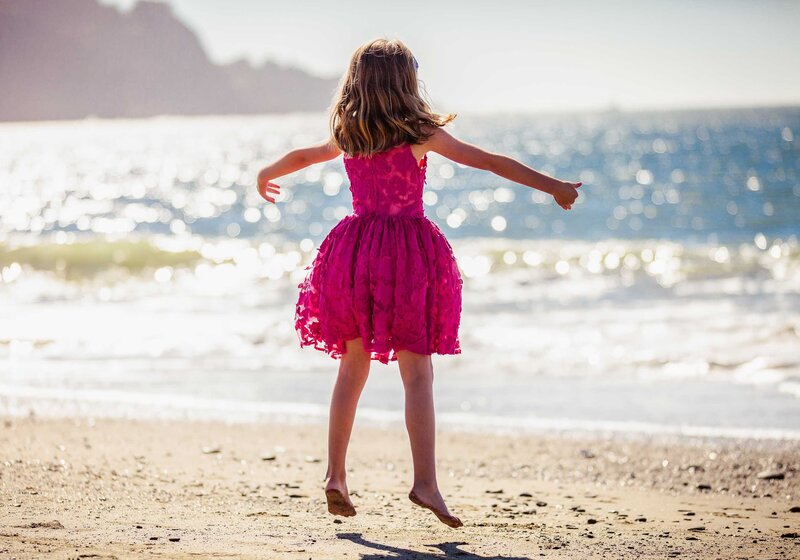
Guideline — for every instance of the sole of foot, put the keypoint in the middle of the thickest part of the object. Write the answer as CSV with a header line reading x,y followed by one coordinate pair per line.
x,y
337,503
449,520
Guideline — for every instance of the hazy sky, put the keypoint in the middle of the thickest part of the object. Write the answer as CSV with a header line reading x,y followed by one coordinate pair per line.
x,y
530,55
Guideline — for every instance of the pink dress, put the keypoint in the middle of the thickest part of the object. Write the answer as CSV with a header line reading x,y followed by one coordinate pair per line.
x,y
384,273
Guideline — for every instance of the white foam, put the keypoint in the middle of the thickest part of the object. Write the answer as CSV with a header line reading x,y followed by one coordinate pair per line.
x,y
47,402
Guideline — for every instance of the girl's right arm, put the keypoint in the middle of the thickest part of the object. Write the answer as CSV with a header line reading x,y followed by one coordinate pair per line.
x,y
294,160
443,143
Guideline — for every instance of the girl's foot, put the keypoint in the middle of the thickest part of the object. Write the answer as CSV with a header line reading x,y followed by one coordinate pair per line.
x,y
433,501
339,500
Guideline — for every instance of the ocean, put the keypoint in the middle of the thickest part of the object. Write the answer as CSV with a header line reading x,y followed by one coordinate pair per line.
x,y
143,276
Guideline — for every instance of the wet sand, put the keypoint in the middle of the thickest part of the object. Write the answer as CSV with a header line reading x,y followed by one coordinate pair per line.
x,y
80,488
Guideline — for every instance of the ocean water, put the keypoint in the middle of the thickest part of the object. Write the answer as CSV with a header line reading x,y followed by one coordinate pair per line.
x,y
142,275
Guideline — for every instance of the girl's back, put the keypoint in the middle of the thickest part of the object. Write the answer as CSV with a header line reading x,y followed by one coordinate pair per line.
x,y
389,183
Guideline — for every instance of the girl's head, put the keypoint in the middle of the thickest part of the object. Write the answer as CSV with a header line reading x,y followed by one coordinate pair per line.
x,y
379,105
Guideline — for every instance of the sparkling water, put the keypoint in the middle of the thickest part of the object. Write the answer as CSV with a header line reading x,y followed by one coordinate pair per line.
x,y
143,275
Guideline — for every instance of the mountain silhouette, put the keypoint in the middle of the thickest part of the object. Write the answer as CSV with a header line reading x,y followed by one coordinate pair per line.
x,y
69,59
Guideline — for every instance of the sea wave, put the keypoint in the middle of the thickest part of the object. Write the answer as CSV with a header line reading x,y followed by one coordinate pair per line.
x,y
668,263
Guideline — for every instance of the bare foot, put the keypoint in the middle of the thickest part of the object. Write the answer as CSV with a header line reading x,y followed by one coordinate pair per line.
x,y
338,498
432,500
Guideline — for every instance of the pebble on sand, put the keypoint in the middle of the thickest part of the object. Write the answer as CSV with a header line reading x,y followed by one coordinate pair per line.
x,y
55,524
770,475
209,449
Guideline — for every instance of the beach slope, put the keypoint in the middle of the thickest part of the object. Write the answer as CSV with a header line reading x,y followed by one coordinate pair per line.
x,y
110,488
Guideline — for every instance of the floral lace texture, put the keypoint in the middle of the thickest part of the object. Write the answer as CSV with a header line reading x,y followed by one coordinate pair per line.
x,y
385,273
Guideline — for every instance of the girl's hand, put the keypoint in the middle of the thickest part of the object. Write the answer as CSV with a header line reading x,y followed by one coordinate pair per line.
x,y
565,193
266,188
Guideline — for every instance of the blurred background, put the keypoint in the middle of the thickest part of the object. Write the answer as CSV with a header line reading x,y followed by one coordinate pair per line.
x,y
142,275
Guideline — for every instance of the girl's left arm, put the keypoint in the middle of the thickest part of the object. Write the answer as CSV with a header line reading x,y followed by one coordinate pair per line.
x,y
294,161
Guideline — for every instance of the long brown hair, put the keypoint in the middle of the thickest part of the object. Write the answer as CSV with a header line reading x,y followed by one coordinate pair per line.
x,y
378,104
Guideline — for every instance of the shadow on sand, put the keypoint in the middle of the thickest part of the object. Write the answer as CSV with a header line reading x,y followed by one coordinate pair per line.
x,y
449,550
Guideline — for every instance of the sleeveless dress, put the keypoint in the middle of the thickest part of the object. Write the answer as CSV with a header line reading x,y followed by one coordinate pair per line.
x,y
385,272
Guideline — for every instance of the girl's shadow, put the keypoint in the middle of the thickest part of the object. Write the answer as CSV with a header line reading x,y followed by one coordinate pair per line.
x,y
450,550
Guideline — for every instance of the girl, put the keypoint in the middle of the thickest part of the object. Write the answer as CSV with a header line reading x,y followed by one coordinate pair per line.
x,y
384,284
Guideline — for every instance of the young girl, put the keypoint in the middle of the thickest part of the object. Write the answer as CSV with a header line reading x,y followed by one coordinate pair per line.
x,y
384,284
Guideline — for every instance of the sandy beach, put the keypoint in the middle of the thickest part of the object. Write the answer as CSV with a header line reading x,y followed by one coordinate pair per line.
x,y
111,488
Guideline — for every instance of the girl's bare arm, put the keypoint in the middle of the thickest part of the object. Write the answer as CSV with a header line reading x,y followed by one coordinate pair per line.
x,y
293,161
443,143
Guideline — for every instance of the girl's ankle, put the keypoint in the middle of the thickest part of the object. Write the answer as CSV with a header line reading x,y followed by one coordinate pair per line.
x,y
427,487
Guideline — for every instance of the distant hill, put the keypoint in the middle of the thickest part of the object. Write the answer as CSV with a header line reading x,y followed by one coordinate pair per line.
x,y
68,59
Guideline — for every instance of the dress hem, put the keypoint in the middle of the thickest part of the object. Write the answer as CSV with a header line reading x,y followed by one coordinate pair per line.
x,y
334,351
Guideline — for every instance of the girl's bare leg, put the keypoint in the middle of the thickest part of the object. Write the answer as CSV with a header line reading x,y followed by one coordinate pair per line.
x,y
353,372
416,371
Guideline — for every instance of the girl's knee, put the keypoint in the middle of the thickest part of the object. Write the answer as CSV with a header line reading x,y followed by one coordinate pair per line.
x,y
414,367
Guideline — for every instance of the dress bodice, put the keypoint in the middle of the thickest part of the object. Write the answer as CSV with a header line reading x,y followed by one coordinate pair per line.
x,y
387,183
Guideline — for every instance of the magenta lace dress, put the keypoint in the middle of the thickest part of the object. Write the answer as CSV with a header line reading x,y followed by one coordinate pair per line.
x,y
384,273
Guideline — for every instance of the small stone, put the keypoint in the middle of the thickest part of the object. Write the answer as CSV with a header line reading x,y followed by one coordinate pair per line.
x,y
337,521
770,475
591,521
641,519
500,491
587,454
311,459
526,495
697,529
267,456
790,536
209,449
541,503
55,524
174,539
704,487
794,509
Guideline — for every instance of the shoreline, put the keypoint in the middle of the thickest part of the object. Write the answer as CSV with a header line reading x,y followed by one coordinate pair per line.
x,y
177,489
56,403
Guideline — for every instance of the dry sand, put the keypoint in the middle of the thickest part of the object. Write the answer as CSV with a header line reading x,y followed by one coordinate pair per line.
x,y
133,489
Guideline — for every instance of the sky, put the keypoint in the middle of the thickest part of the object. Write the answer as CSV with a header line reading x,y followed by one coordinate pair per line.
x,y
528,55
